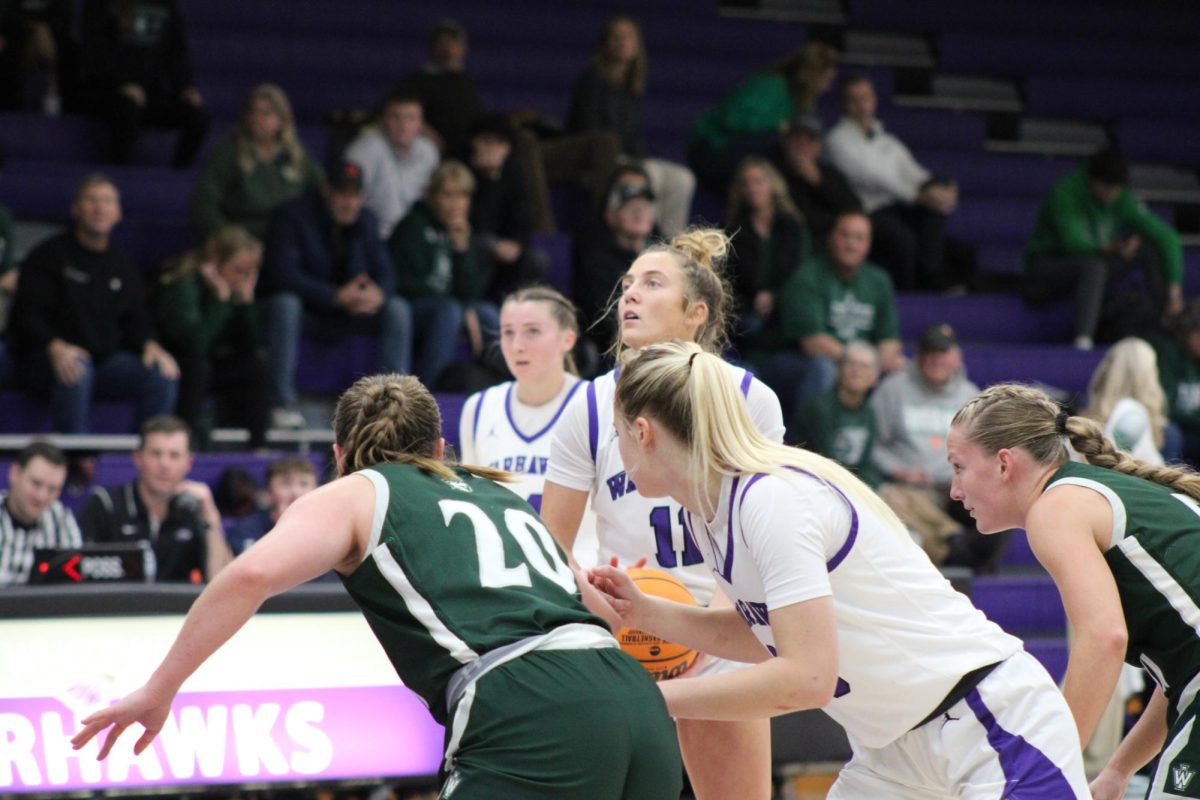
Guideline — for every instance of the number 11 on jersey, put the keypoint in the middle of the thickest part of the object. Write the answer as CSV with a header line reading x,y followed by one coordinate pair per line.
x,y
664,539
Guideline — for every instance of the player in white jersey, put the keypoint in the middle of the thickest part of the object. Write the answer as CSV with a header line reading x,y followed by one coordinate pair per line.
x,y
835,603
671,291
508,426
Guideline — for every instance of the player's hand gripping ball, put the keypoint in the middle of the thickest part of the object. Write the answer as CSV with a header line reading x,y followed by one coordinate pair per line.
x,y
663,660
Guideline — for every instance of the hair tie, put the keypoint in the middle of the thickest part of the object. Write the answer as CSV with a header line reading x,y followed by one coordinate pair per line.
x,y
1060,422
693,358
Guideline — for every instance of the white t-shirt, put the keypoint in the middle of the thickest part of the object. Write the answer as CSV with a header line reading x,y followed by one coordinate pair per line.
x,y
879,167
905,636
584,456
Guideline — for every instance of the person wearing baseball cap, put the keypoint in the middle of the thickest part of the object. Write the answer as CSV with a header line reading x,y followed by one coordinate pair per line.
x,y
327,270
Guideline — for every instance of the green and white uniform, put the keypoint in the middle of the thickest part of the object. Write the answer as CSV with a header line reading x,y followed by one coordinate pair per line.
x,y
475,606
1154,556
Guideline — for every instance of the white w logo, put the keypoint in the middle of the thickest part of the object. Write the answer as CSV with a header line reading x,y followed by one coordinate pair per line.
x,y
1181,776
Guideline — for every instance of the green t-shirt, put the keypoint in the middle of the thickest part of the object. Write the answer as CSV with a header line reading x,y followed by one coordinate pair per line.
x,y
847,435
457,568
815,300
1156,566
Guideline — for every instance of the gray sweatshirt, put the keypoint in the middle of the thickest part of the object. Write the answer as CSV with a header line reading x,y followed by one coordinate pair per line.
x,y
913,419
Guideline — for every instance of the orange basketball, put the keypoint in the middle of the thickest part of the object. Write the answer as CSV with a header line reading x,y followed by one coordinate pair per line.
x,y
663,660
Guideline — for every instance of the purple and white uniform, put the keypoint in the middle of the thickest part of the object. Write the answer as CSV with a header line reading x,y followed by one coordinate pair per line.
x,y
905,639
585,457
498,430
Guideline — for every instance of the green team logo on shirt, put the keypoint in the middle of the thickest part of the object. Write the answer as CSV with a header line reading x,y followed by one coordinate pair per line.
x,y
1181,776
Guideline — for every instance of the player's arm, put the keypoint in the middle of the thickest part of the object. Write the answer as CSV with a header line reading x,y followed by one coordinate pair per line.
x,y
716,631
562,511
1143,743
802,676
1062,527
314,535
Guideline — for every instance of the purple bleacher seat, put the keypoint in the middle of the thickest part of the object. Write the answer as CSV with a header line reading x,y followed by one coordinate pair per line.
x,y
994,219
1019,554
983,318
1169,141
1017,55
149,242
1020,603
926,128
1052,652
44,189
1103,99
21,413
558,248
1002,258
1059,366
1169,20
983,175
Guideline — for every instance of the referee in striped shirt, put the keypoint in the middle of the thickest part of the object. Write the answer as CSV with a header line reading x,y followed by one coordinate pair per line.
x,y
31,515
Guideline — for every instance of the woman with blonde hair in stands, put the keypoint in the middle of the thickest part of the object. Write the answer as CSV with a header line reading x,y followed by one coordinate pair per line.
x,y
834,602
608,96
1117,536
511,662
257,168
1126,397
673,290
770,241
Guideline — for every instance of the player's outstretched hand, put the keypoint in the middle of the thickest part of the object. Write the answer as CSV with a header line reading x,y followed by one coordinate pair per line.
x,y
1108,786
620,592
141,706
596,602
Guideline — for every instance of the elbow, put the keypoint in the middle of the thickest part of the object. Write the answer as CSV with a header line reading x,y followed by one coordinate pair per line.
x,y
808,690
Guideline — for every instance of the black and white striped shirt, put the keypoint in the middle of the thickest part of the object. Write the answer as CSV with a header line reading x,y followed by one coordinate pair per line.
x,y
55,528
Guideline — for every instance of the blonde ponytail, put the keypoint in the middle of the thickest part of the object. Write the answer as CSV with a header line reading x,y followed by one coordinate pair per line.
x,y
691,394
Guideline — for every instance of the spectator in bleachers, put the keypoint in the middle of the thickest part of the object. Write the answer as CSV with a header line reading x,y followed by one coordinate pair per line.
x,y
79,328
500,211
1126,397
907,203
31,515
913,409
839,423
834,298
438,271
288,478
1092,232
452,105
629,218
750,119
769,240
608,97
257,168
327,272
397,160
177,516
137,71
818,188
37,54
1179,373
204,306
445,89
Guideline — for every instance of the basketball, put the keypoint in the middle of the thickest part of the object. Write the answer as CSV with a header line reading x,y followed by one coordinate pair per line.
x,y
663,660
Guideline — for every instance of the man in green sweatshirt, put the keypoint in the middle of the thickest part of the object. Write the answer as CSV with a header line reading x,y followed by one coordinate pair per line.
x,y
1092,231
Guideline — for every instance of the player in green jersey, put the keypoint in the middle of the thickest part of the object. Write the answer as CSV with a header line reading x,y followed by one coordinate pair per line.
x,y
472,601
1119,537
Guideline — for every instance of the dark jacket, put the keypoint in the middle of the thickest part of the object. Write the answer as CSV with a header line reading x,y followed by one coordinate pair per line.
x,y
301,255
426,266
147,46
117,514
757,263
91,300
597,105
822,203
499,207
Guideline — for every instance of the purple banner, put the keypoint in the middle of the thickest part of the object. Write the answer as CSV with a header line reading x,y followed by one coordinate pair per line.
x,y
228,737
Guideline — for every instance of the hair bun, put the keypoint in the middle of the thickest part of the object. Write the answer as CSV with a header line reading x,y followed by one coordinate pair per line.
x,y
707,246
